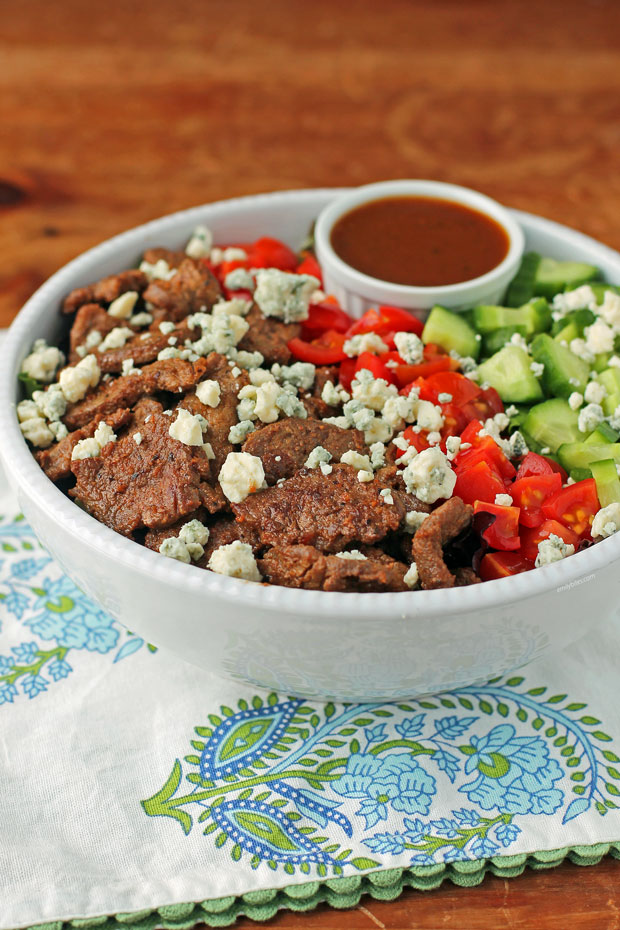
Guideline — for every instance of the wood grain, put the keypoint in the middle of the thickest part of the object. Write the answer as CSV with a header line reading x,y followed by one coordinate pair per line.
x,y
115,113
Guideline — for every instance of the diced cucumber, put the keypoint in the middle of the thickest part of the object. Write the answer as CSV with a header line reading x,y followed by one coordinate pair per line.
x,y
602,433
576,322
599,290
451,331
607,482
601,361
493,342
553,276
610,379
534,316
509,372
521,288
580,474
552,424
582,455
564,372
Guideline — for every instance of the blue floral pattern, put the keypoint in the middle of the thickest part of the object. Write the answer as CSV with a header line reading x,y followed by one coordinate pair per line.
x,y
299,786
59,621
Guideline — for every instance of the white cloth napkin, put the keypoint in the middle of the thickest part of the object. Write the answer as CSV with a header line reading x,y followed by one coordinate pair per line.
x,y
132,781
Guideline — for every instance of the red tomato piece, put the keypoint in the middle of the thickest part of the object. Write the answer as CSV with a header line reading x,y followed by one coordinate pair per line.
x,y
575,506
346,372
454,420
417,440
529,493
534,464
271,253
480,482
503,564
374,364
470,433
322,317
486,449
406,374
504,531
531,536
327,349
383,320
451,382
309,265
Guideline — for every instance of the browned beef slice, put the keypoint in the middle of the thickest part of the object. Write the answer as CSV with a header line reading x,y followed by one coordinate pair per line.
x,y
193,288
144,350
285,445
89,318
144,408
306,567
269,336
220,418
222,532
56,461
393,478
174,374
466,576
317,408
153,484
322,375
326,511
443,525
106,290
172,257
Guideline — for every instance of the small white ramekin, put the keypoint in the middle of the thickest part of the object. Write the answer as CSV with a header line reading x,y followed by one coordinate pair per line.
x,y
357,292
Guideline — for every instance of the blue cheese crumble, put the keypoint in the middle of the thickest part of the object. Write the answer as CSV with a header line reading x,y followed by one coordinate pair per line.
x,y
283,295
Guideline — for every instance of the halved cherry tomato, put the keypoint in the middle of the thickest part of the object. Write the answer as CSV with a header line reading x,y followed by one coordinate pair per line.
x,y
531,536
458,386
454,420
383,320
406,374
534,464
326,349
574,506
374,364
346,372
487,404
416,439
503,564
480,482
322,317
485,449
271,253
504,531
470,433
309,265
529,493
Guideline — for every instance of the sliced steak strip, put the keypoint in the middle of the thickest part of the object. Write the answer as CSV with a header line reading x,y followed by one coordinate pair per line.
x,y
143,350
326,511
269,337
153,484
285,445
444,524
220,418
56,461
144,408
306,567
193,288
106,290
90,317
175,375
172,257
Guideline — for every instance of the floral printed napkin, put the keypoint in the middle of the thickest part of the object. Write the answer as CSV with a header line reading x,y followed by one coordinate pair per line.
x,y
137,787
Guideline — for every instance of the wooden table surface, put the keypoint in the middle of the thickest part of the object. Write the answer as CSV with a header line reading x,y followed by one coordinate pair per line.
x,y
115,113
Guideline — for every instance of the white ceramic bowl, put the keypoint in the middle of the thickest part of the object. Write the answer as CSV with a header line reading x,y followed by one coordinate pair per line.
x,y
311,643
357,292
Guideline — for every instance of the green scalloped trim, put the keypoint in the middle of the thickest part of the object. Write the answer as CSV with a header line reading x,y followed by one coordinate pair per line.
x,y
341,893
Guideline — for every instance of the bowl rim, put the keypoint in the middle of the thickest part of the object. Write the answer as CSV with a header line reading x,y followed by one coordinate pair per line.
x,y
368,286
34,484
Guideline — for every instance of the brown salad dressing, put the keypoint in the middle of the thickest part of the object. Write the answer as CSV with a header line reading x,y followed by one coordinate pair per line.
x,y
419,241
